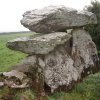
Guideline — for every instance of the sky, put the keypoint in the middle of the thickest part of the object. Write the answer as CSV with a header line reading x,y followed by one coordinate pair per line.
x,y
11,10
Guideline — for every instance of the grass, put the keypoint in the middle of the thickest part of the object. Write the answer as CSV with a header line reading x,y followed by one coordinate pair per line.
x,y
9,57
89,89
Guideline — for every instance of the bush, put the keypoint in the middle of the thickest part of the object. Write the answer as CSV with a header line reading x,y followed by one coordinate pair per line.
x,y
94,30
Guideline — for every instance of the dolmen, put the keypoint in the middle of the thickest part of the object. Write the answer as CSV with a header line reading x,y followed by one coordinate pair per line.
x,y
63,53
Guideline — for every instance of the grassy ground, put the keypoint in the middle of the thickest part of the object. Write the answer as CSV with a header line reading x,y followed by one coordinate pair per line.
x,y
89,89
9,57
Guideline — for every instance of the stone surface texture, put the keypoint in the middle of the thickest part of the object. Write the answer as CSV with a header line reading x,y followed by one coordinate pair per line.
x,y
1,84
56,18
84,52
67,63
26,64
61,67
39,45
14,79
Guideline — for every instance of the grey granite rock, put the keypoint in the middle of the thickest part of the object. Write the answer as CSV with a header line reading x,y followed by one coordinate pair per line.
x,y
39,45
15,79
26,64
56,18
65,59
59,69
1,84
84,52
14,73
70,63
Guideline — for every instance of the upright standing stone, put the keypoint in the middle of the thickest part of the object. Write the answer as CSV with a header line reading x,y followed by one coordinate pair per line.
x,y
84,52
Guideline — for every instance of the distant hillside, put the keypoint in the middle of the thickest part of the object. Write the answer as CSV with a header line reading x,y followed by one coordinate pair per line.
x,y
14,32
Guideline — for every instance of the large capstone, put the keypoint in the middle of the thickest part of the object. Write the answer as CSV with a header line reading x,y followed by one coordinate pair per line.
x,y
39,45
56,18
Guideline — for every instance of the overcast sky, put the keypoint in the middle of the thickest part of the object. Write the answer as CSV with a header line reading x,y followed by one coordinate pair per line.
x,y
11,10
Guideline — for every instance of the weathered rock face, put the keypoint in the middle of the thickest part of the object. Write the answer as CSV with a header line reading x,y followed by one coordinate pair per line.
x,y
59,70
39,45
14,79
61,67
84,52
64,64
26,64
1,84
56,18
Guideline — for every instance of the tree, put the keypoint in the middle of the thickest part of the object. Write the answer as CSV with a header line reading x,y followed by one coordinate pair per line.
x,y
94,30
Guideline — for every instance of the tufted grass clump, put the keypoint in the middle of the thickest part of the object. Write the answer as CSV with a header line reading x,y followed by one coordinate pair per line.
x,y
25,94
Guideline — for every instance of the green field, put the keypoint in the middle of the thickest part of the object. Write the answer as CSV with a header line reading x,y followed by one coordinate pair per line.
x,y
89,89
9,57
